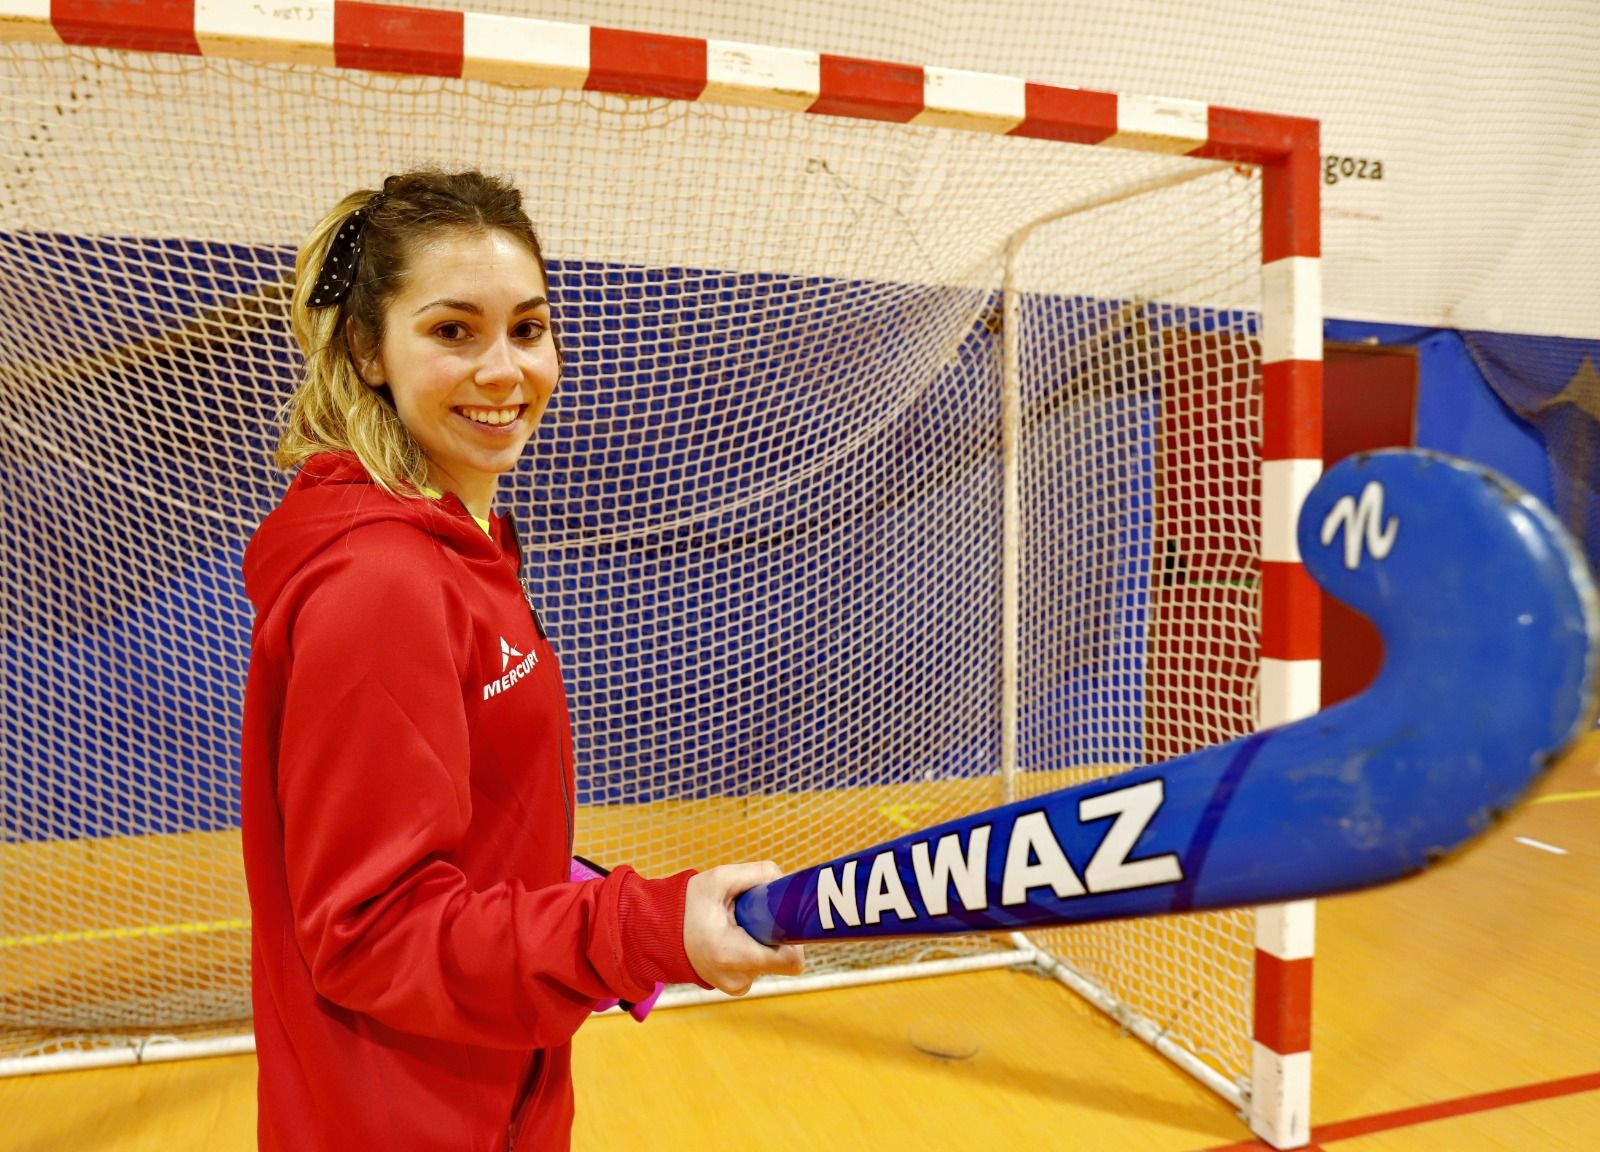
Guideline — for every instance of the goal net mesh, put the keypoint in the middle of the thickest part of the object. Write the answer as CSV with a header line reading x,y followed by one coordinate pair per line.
x,y
762,518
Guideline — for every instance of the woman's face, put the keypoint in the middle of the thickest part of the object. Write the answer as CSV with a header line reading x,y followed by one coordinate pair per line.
x,y
469,358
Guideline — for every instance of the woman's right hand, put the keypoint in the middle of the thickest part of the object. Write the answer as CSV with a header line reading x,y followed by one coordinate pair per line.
x,y
726,956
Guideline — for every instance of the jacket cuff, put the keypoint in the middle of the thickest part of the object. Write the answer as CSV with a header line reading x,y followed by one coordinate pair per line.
x,y
650,917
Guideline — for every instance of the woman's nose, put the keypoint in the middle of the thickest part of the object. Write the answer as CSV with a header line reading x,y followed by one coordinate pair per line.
x,y
498,367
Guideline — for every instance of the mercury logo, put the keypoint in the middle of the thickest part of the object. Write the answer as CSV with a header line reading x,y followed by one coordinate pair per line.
x,y
506,653
510,673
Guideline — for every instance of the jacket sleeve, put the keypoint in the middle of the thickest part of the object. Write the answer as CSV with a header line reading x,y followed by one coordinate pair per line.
x,y
374,792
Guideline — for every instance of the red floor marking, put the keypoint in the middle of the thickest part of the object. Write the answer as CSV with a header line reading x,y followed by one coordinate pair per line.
x,y
1465,1105
1426,1113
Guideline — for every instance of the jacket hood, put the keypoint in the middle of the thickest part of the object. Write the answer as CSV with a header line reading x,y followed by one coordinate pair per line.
x,y
332,495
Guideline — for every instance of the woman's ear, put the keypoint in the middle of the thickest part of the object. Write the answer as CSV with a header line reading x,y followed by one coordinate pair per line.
x,y
363,353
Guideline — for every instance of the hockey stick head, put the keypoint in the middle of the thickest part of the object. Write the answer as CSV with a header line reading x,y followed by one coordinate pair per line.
x,y
1492,637
1487,606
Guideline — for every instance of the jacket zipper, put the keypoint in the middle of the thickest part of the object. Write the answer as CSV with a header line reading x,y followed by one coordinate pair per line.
x,y
531,1078
566,800
537,1062
566,723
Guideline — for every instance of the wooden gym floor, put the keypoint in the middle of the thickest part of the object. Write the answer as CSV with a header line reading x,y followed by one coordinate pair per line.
x,y
1454,1011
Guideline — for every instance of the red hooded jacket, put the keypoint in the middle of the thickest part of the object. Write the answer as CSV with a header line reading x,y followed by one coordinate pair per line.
x,y
420,961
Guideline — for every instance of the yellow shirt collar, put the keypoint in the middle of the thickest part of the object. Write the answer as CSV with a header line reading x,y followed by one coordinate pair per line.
x,y
433,494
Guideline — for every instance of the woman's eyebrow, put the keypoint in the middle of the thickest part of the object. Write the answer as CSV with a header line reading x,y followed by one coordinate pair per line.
x,y
467,306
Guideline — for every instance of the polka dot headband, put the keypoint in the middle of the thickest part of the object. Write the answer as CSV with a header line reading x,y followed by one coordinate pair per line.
x,y
344,253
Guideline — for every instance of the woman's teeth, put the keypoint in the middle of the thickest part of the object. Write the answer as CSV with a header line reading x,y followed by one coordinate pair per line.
x,y
494,416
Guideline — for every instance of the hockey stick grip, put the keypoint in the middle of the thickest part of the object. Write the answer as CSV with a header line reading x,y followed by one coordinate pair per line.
x,y
1492,652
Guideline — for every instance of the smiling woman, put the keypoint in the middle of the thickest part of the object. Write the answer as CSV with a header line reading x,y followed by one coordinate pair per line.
x,y
424,945
469,372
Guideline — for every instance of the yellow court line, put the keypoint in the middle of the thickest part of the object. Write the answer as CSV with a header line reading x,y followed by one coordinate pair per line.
x,y
142,930
1563,797
900,813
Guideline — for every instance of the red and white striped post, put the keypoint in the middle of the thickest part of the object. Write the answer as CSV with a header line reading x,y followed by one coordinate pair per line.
x,y
1291,610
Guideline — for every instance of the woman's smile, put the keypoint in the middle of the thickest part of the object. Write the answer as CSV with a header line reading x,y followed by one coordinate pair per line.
x,y
497,420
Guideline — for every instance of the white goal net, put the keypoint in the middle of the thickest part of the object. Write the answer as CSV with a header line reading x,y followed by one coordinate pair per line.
x,y
764,517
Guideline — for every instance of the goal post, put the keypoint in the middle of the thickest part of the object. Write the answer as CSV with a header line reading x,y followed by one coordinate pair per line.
x,y
929,439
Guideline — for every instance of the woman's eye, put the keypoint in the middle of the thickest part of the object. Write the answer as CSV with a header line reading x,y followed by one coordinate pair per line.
x,y
451,330
529,330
